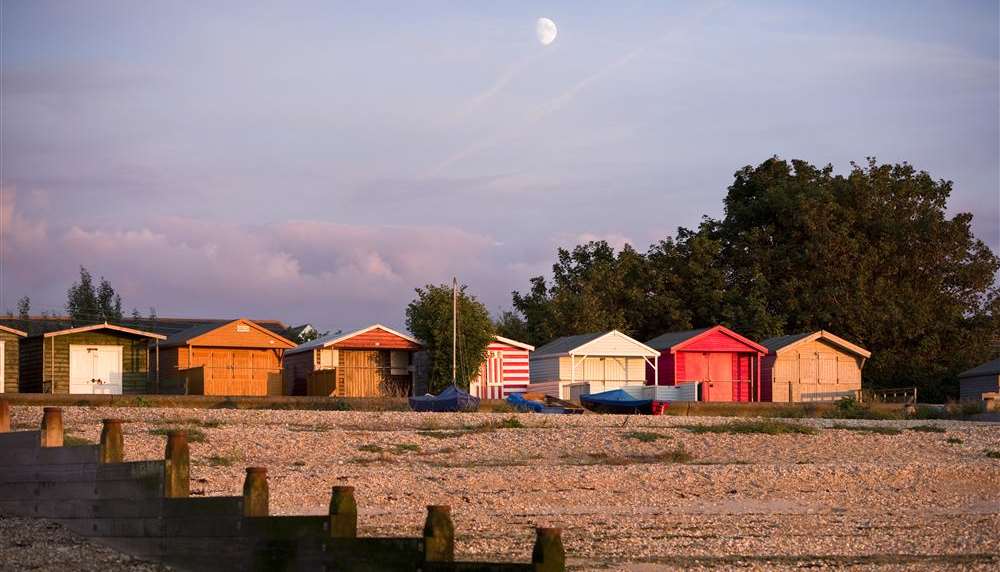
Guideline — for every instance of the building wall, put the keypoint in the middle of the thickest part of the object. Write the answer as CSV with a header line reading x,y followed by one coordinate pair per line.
x,y
544,368
232,370
812,371
296,369
511,368
11,361
45,361
972,388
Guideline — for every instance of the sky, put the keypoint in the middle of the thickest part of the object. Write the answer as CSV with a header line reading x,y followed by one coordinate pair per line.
x,y
317,161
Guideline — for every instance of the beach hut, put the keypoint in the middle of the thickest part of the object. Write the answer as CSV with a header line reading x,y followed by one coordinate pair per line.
x,y
724,364
572,366
505,370
981,379
95,359
239,357
10,346
815,366
371,362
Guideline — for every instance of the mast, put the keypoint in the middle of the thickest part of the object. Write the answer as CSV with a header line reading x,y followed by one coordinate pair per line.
x,y
454,327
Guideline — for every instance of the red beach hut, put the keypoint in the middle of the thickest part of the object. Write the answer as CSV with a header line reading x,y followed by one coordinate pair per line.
x,y
724,364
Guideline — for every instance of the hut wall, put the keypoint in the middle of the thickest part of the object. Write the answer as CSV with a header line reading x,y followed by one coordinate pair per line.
x,y
973,388
11,359
812,371
46,360
296,369
546,368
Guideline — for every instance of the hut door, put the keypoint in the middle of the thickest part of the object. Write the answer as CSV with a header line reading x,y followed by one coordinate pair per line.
x,y
3,358
95,369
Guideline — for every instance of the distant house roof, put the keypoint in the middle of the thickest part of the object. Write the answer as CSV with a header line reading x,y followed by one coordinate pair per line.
x,y
185,337
514,343
294,332
104,326
166,326
676,340
782,343
988,368
335,338
578,345
12,331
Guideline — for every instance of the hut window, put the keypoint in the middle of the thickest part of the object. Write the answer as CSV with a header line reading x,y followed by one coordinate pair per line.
x,y
399,363
327,358
242,328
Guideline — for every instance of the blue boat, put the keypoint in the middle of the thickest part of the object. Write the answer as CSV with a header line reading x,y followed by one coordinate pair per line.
x,y
449,400
624,400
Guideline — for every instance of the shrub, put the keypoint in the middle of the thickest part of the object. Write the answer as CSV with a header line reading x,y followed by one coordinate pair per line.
x,y
764,426
869,429
851,408
645,436
928,429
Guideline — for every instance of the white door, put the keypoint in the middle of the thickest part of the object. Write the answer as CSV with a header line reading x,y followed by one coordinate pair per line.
x,y
95,369
3,359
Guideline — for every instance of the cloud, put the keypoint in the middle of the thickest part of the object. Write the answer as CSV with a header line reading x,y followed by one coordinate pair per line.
x,y
301,270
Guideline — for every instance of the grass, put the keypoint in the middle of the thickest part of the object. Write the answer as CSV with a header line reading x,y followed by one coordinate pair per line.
x,y
506,423
370,448
299,464
407,448
928,429
868,429
954,441
645,436
73,441
194,434
991,454
219,461
442,434
678,455
850,408
763,427
302,428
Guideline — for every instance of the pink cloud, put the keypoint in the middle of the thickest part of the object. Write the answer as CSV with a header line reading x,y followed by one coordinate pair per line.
x,y
303,270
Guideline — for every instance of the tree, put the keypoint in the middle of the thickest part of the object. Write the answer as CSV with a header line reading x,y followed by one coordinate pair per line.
x,y
24,308
136,316
429,318
872,256
510,324
86,304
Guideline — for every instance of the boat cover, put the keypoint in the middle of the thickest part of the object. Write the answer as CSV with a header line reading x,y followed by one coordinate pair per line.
x,y
451,399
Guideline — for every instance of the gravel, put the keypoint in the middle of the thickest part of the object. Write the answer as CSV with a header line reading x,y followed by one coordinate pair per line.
x,y
834,499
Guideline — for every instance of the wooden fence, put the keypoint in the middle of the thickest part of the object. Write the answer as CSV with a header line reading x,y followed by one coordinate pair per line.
x,y
143,508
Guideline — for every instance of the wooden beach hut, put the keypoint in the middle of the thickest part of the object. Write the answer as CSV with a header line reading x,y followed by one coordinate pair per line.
x,y
981,379
95,359
239,357
10,347
815,366
578,365
724,364
375,361
505,371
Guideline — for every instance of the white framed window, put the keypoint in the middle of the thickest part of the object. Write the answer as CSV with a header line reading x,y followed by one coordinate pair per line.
x,y
327,358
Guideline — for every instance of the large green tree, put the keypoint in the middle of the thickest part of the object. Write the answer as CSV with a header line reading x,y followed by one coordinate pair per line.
x,y
429,318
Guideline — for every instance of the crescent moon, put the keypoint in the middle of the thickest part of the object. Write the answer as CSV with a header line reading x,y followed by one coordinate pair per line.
x,y
546,31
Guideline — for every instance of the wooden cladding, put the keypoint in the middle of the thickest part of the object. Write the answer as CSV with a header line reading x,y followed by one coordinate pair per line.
x,y
361,373
45,361
377,339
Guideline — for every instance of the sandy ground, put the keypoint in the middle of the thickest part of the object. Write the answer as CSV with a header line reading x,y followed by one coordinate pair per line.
x,y
836,499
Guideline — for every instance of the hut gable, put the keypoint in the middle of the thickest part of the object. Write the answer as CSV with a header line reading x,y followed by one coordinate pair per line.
x,y
795,341
714,339
812,366
504,371
239,333
10,340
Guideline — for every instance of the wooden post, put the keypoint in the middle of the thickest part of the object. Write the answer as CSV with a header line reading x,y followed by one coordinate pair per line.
x,y
343,513
112,442
52,427
548,554
4,416
439,535
255,493
177,466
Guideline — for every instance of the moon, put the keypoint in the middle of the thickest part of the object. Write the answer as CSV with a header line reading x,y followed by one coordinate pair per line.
x,y
546,31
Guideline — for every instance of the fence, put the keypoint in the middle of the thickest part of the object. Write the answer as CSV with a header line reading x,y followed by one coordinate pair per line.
x,y
894,395
143,508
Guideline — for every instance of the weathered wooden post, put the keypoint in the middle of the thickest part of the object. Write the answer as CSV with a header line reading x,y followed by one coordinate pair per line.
x,y
112,442
52,427
343,513
177,466
439,535
548,554
4,416
255,493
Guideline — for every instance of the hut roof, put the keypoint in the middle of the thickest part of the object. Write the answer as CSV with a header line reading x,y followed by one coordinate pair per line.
x,y
335,338
514,343
184,337
988,368
782,343
675,340
576,345
105,326
12,331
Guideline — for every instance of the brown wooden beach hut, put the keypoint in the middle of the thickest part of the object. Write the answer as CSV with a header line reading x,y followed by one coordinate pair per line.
x,y
234,358
985,378
815,366
371,362
10,345
95,359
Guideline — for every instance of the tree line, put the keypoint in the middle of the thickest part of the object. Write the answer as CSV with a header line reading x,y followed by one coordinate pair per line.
x,y
871,256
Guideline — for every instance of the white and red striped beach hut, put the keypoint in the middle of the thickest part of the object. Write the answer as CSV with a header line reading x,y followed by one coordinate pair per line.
x,y
505,370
